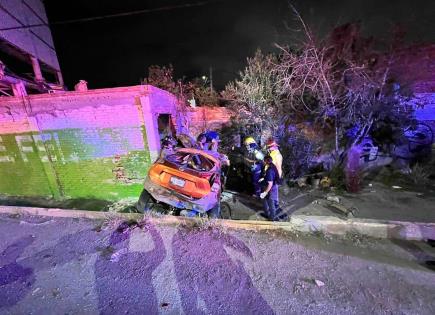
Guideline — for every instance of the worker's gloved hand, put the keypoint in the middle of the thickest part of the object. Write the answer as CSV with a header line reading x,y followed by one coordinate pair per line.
x,y
263,195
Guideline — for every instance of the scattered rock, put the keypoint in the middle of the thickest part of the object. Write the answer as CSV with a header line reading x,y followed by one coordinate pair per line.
x,y
36,291
121,205
319,283
14,216
298,287
302,182
339,207
55,292
333,198
117,255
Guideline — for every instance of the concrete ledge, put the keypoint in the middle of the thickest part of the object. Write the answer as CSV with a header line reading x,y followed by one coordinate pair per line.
x,y
298,223
372,228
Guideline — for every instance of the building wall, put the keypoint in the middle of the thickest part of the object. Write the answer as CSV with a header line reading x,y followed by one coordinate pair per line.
x,y
207,118
36,41
96,144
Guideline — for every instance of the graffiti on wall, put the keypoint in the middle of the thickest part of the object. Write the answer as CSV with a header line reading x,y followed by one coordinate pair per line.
x,y
108,163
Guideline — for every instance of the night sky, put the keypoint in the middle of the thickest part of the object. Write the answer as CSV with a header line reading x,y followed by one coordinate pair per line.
x,y
220,33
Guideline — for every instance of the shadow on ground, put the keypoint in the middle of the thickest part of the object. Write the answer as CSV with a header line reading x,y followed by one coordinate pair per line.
x,y
78,203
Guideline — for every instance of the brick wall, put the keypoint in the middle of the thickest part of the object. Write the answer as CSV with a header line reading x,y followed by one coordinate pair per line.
x,y
207,118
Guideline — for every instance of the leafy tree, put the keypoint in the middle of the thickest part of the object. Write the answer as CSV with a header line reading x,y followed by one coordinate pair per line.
x,y
253,96
163,78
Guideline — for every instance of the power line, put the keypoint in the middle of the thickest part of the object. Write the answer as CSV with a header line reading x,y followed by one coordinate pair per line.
x,y
108,16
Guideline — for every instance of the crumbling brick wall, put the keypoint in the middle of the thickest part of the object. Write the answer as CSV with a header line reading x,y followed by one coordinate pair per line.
x,y
208,118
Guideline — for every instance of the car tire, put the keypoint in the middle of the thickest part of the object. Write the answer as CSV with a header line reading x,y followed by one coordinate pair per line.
x,y
146,202
225,212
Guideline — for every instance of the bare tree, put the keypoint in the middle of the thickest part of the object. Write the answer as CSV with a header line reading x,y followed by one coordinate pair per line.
x,y
338,81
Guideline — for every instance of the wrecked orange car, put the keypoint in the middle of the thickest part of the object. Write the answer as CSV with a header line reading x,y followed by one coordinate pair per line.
x,y
188,182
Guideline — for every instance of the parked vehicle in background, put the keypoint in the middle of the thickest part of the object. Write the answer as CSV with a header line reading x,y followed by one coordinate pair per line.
x,y
414,145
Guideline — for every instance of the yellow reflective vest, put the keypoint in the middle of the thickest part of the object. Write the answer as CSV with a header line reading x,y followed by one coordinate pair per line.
x,y
277,160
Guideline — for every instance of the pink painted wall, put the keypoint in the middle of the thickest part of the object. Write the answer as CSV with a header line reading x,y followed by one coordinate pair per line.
x,y
94,144
90,144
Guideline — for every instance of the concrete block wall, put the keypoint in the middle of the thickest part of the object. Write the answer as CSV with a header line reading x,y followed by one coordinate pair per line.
x,y
96,144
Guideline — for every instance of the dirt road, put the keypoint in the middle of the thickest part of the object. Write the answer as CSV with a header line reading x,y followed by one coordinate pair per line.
x,y
80,266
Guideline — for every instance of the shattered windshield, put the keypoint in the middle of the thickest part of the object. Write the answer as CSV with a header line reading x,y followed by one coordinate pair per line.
x,y
193,161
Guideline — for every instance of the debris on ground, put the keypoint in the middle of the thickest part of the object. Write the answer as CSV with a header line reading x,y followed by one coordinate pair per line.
x,y
117,255
302,182
122,205
325,182
319,283
333,198
342,208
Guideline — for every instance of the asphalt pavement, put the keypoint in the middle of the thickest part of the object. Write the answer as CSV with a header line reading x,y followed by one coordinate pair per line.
x,y
80,266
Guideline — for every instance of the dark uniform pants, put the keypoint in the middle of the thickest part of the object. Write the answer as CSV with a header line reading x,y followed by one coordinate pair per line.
x,y
270,207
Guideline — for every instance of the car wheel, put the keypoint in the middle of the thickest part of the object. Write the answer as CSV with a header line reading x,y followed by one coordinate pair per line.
x,y
146,202
225,211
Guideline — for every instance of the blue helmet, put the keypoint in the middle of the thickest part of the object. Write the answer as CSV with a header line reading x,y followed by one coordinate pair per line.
x,y
211,135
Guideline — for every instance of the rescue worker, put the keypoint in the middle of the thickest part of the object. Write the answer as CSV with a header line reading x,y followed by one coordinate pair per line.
x,y
168,147
270,192
213,140
254,162
208,140
201,142
273,150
